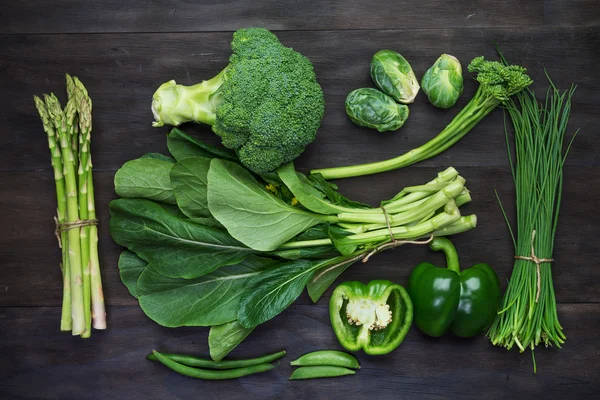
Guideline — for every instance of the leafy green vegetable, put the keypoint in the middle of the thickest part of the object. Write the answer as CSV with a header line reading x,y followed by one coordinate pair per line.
x,y
266,104
210,299
250,213
130,269
182,146
322,279
271,292
189,180
176,248
224,338
147,177
394,76
373,109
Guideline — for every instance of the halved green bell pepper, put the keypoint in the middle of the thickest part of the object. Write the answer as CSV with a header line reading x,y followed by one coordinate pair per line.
x,y
374,317
446,298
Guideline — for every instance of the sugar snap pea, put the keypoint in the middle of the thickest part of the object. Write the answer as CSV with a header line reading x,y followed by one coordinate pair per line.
x,y
211,374
193,361
320,371
327,357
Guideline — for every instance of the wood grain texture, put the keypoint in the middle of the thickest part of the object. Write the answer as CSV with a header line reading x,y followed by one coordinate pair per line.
x,y
76,16
37,362
122,50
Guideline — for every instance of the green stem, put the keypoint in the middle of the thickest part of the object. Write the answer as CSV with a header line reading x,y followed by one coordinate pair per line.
x,y
98,307
445,245
458,127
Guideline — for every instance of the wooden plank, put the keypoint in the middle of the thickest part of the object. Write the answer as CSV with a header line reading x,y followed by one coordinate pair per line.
x,y
111,364
571,13
72,16
122,71
29,254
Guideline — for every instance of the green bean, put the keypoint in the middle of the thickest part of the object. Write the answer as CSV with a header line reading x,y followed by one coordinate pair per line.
x,y
327,357
227,364
320,371
211,374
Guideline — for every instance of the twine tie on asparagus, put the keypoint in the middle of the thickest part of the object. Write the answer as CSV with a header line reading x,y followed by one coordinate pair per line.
x,y
366,256
537,261
66,226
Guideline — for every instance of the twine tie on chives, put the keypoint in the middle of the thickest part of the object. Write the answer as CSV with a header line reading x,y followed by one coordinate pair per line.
x,y
537,261
66,226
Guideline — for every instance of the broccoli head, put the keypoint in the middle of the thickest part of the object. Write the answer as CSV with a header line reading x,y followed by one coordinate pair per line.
x,y
266,104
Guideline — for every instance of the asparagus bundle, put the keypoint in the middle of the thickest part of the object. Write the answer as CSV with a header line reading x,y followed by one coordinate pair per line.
x,y
69,139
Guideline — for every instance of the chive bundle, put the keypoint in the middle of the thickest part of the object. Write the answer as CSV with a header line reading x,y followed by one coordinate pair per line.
x,y
528,314
69,139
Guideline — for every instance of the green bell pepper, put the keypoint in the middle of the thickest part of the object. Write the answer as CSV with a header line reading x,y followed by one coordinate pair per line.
x,y
446,298
374,317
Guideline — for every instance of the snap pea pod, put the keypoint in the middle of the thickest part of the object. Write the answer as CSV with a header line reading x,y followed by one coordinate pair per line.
x,y
211,374
320,371
193,361
327,357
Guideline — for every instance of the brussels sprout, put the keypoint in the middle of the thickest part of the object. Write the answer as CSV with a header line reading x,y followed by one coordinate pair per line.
x,y
394,76
373,109
443,82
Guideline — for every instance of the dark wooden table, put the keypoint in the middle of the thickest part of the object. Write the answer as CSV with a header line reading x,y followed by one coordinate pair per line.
x,y
122,50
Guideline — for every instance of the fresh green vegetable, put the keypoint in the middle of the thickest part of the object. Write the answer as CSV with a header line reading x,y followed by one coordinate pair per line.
x,y
327,357
320,371
443,82
208,373
266,104
69,138
264,239
224,338
374,109
528,316
497,83
444,299
394,76
192,361
375,317
146,177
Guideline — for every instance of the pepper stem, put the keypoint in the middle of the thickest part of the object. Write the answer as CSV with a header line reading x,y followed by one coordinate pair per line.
x,y
445,245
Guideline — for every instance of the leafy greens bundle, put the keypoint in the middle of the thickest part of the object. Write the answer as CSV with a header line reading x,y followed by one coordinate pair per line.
x,y
210,243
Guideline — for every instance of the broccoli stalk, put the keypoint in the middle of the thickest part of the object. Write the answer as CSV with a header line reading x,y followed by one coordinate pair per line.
x,y
175,104
497,83
266,104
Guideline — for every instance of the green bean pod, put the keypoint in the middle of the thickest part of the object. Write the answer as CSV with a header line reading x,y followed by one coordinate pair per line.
x,y
193,361
320,371
327,357
211,374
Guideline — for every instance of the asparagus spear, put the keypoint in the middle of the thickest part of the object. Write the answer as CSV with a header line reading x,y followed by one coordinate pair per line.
x,y
61,120
61,211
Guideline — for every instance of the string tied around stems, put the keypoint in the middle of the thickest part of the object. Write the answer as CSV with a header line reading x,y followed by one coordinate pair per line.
x,y
537,261
366,256
66,226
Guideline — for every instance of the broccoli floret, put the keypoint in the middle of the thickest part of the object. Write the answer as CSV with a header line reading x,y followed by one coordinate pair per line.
x,y
266,104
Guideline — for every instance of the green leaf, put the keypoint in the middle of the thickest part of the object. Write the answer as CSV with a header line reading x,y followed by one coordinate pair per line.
x,y
130,269
338,236
224,338
146,177
177,248
305,193
306,252
159,156
182,146
322,279
210,299
249,212
271,292
189,180
330,191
